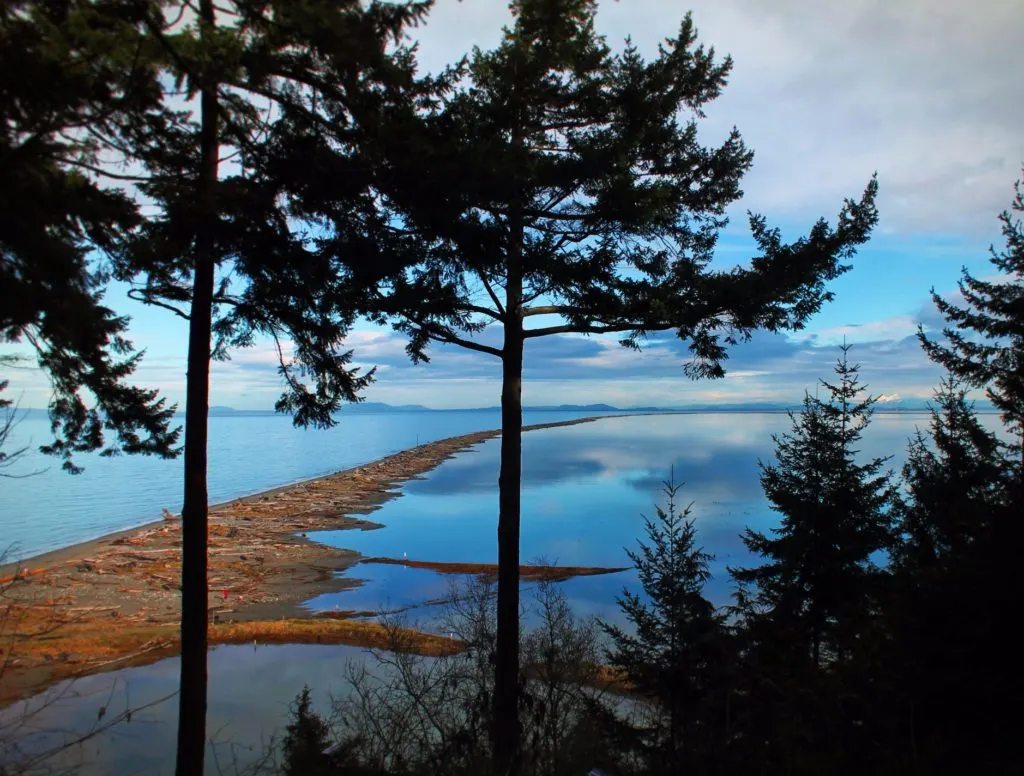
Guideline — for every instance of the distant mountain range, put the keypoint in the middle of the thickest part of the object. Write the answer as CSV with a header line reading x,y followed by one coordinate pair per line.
x,y
380,408
373,408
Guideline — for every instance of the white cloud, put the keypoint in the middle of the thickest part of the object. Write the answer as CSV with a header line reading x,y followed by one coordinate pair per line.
x,y
828,91
895,328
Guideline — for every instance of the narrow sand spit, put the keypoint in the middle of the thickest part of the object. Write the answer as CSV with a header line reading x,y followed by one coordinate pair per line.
x,y
115,601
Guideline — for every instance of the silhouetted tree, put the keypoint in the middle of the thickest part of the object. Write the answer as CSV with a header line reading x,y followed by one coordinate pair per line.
x,y
69,69
554,181
957,566
306,738
820,574
984,341
955,489
806,611
671,654
219,250
953,482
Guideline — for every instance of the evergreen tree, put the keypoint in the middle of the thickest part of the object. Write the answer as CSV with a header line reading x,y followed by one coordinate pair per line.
x,y
820,576
942,672
672,655
810,613
954,485
551,180
219,250
957,567
984,341
306,738
69,71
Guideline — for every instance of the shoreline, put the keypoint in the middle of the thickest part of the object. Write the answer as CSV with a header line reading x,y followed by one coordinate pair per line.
x,y
61,606
60,554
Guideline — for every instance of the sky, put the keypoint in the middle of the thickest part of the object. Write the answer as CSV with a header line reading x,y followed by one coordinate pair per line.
x,y
826,92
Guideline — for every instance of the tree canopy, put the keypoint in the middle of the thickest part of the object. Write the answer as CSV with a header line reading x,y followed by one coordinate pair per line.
x,y
983,340
553,180
69,73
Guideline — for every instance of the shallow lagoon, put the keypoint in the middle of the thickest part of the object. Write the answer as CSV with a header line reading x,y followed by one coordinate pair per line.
x,y
585,490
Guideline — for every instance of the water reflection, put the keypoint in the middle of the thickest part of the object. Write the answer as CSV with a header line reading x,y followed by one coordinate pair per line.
x,y
419,596
249,692
585,491
53,510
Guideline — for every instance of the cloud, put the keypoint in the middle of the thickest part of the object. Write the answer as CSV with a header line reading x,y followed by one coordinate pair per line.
x,y
928,94
571,369
566,369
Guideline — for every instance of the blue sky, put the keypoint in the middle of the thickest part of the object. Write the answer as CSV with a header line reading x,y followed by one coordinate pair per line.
x,y
825,92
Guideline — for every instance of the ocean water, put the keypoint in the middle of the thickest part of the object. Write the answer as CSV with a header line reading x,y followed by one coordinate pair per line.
x,y
248,453
586,489
585,493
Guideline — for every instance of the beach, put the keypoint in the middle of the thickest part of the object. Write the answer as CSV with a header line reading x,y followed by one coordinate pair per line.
x,y
115,601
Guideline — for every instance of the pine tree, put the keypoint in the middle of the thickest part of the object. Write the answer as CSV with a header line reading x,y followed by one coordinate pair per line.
x,y
70,71
956,566
550,181
306,738
810,614
671,655
984,341
219,249
820,581
955,481
953,478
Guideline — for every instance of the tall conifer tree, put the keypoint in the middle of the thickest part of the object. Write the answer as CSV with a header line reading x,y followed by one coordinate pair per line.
x,y
673,651
808,612
984,340
955,481
820,581
220,250
553,182
958,561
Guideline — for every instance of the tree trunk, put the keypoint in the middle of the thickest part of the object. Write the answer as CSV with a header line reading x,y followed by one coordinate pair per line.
x,y
194,601
505,734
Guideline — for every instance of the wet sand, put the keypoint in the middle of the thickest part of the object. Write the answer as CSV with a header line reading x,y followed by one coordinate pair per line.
x,y
116,601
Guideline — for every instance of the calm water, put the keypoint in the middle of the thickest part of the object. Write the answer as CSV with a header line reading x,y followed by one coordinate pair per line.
x,y
585,489
248,453
249,692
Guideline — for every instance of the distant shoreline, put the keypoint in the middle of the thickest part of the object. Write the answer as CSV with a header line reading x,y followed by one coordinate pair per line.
x,y
358,411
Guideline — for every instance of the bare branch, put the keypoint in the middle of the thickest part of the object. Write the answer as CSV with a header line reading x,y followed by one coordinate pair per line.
x,y
449,338
139,295
596,329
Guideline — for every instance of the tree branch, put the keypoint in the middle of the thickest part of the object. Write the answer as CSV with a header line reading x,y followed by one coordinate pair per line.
x,y
596,329
490,292
483,311
451,339
140,295
550,309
